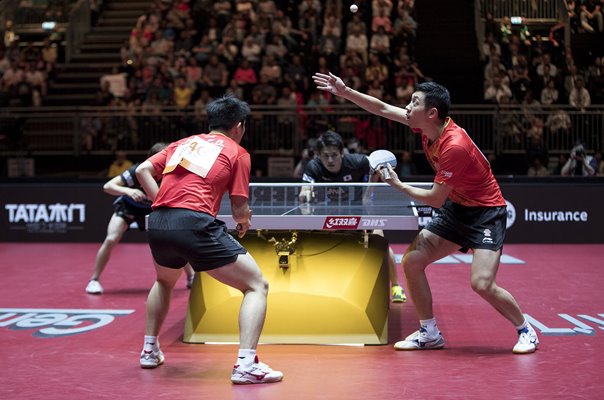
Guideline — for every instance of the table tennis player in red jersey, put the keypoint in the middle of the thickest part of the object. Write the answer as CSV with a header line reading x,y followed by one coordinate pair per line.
x,y
196,172
470,209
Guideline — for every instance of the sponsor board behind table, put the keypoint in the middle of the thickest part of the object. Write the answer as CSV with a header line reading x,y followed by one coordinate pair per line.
x,y
79,212
545,213
554,213
57,212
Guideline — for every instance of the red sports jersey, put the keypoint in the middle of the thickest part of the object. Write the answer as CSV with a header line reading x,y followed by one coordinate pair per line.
x,y
182,188
458,162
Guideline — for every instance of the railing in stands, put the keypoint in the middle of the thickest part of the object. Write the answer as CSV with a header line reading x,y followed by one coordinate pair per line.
x,y
543,10
548,14
283,131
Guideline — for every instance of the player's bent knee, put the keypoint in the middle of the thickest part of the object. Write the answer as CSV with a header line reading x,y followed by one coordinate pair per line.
x,y
168,280
263,286
413,262
258,284
112,240
482,286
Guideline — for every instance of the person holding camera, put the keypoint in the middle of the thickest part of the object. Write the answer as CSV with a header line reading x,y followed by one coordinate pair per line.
x,y
579,163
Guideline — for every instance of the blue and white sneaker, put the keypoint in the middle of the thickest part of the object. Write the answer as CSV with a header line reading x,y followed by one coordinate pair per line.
x,y
527,341
152,359
419,340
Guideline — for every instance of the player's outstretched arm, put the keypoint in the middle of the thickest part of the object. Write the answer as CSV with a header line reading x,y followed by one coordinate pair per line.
x,y
145,173
434,197
334,84
116,187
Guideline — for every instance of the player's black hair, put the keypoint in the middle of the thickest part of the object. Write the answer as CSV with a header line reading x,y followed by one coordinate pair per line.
x,y
329,138
156,148
226,112
435,96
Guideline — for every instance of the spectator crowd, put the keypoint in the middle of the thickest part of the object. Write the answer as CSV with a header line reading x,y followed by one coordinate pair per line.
x,y
539,73
184,53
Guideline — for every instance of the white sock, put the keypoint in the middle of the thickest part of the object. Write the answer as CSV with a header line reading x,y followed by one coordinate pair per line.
x,y
524,325
246,357
151,343
430,326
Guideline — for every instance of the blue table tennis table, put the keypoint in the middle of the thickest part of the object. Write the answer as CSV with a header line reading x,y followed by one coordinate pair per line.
x,y
327,271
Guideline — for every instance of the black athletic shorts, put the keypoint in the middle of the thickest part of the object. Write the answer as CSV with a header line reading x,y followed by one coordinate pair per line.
x,y
178,236
470,227
131,213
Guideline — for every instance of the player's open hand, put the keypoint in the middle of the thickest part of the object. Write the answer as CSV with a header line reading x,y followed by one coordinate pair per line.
x,y
330,83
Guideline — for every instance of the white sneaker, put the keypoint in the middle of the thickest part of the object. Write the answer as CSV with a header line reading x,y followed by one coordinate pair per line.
x,y
256,373
527,342
419,340
152,359
94,287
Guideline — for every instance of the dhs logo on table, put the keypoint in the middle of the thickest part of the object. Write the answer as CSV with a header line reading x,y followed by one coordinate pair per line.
x,y
353,223
341,222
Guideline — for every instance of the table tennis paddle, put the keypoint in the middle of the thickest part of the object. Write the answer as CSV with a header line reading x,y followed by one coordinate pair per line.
x,y
379,160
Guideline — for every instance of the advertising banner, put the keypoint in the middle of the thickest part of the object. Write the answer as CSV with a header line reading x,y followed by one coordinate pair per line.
x,y
554,213
563,212
56,212
79,212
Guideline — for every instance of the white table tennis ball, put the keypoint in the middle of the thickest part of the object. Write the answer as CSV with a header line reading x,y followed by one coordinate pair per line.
x,y
354,8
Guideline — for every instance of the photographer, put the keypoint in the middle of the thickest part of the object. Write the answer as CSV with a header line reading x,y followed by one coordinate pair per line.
x,y
579,163
307,154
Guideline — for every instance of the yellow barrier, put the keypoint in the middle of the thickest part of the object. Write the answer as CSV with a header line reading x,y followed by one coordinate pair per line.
x,y
335,290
